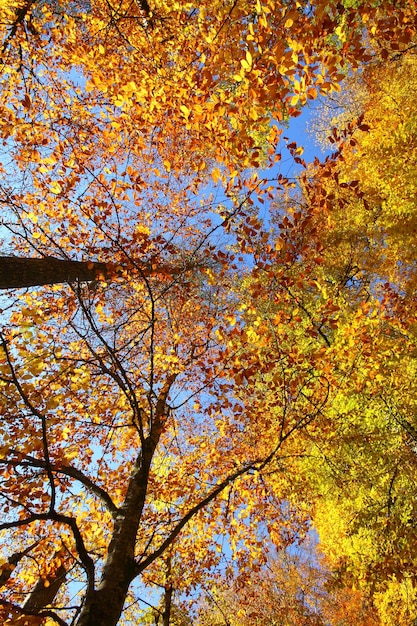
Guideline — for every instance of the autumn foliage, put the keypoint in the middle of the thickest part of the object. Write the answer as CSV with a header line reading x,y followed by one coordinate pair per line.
x,y
203,356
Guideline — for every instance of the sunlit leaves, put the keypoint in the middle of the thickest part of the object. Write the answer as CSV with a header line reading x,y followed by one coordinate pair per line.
x,y
219,357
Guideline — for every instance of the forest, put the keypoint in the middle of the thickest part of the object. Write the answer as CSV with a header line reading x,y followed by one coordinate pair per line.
x,y
208,341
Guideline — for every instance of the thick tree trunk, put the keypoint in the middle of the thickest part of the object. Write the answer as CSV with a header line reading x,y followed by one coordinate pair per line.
x,y
104,605
19,272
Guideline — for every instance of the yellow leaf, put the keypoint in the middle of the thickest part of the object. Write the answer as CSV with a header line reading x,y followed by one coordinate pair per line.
x,y
33,218
53,402
55,187
289,23
246,66
216,175
142,229
185,111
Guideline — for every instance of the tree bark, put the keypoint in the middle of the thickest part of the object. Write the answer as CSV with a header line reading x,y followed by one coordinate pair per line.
x,y
104,605
167,604
19,272
168,593
45,591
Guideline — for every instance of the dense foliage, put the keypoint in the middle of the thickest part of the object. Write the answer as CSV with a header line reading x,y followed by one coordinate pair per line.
x,y
207,358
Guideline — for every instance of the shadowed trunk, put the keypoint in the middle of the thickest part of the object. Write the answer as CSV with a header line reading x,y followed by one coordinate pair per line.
x,y
104,604
18,272
168,593
45,591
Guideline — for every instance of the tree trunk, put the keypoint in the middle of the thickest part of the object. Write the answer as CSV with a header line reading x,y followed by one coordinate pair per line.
x,y
104,605
167,604
18,272
45,591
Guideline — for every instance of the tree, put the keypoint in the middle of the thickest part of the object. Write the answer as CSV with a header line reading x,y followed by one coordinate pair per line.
x,y
18,272
363,476
291,587
329,325
135,406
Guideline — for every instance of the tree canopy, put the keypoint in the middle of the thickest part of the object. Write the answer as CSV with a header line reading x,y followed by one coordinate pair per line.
x,y
202,357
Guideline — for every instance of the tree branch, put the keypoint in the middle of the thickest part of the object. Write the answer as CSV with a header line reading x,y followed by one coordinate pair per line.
x,y
22,611
36,413
12,561
85,558
67,470
142,565
20,16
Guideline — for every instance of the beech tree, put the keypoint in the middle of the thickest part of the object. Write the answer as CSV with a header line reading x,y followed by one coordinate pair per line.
x,y
355,470
291,587
373,523
137,436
